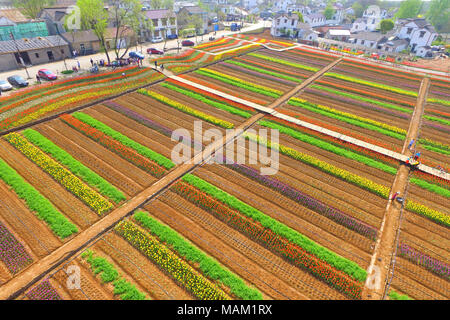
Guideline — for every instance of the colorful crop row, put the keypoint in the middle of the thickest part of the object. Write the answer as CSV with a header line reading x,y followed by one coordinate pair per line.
x,y
57,222
76,167
183,273
240,83
430,263
265,71
99,265
359,181
264,66
43,291
112,144
12,252
308,201
283,62
186,109
215,104
66,178
234,52
393,295
264,234
209,266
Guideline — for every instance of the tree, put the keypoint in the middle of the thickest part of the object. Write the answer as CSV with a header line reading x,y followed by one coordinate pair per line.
x,y
127,18
386,25
156,4
358,9
32,8
409,9
95,18
300,16
329,12
439,15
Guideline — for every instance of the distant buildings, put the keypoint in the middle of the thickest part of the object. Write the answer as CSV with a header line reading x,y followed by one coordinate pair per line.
x,y
164,24
315,19
370,20
12,21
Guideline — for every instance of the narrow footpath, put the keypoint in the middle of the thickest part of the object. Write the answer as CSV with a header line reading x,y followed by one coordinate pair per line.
x,y
378,271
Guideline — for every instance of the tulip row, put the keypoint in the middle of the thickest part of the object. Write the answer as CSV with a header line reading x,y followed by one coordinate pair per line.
x,y
218,42
277,75
393,295
186,109
283,62
76,167
182,272
308,201
377,69
57,222
66,178
334,270
208,265
266,67
43,291
353,119
115,146
234,52
108,274
12,252
239,83
215,104
430,263
359,181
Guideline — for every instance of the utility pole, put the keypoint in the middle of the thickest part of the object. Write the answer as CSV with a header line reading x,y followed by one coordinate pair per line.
x,y
18,53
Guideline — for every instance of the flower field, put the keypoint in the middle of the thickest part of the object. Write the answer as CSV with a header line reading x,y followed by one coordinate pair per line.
x,y
223,231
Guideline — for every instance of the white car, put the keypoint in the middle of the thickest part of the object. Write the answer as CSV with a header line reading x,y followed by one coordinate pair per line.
x,y
5,86
157,39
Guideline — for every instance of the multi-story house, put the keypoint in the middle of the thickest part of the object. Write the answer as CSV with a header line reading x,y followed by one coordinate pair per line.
x,y
164,23
370,20
315,19
418,32
284,24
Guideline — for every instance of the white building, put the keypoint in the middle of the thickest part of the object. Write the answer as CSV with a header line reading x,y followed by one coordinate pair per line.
x,y
370,20
369,39
164,23
282,5
249,4
284,24
315,19
304,10
305,32
418,32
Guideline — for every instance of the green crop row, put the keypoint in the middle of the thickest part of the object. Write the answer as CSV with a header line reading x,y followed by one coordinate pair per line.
x,y
246,86
74,165
329,147
209,266
393,295
124,289
343,264
431,187
350,119
363,99
142,150
265,71
284,62
44,209
213,103
439,101
436,119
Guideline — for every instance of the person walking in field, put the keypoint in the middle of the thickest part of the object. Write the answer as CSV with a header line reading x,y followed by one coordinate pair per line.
x,y
410,144
395,195
38,79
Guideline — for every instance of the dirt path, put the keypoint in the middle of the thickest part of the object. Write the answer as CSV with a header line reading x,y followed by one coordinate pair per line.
x,y
376,284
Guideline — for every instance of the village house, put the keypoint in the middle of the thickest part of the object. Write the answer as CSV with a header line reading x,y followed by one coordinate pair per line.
x,y
338,34
164,24
12,21
370,20
83,42
371,40
284,24
315,19
305,32
397,45
54,17
32,51
196,10
418,32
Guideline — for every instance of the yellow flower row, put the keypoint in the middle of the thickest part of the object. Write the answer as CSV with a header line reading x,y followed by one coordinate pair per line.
x,y
60,174
352,116
186,109
187,276
237,80
234,51
428,212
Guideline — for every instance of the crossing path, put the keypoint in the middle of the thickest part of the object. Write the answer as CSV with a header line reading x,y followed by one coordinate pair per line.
x,y
395,155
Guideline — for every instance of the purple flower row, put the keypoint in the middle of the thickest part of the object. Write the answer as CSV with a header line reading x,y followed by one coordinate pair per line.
x,y
258,74
12,252
432,264
43,291
308,201
143,120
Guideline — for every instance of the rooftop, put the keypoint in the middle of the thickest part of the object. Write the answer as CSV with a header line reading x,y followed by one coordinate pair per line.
x,y
32,44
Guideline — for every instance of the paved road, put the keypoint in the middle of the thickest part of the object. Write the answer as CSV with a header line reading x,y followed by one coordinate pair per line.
x,y
85,63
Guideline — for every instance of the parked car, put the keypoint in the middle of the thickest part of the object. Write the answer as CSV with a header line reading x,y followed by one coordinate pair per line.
x,y
154,51
157,39
5,86
47,75
187,43
136,55
17,81
172,36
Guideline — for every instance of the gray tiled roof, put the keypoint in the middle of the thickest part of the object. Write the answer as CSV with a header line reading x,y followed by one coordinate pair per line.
x,y
31,44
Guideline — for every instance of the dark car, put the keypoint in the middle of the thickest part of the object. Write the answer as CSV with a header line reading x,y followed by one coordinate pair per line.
x,y
47,75
154,51
187,43
172,36
17,81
